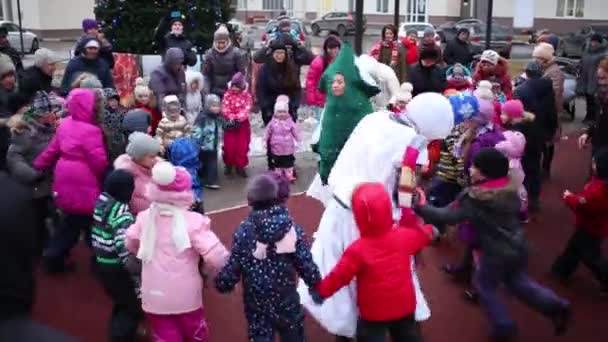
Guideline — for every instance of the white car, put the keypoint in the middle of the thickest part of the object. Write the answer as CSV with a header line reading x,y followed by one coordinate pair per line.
x,y
31,43
418,27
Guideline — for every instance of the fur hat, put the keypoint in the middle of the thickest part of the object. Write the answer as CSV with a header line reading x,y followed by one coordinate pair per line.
x,y
89,24
141,87
514,109
432,115
544,51
120,185
601,163
221,33
91,83
238,80
212,100
514,144
262,191
405,93
492,163
141,144
6,65
281,104
484,91
170,178
490,56
465,107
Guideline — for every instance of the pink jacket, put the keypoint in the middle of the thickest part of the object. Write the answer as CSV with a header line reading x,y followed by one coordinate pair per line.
x,y
314,97
79,155
282,136
236,105
171,283
143,178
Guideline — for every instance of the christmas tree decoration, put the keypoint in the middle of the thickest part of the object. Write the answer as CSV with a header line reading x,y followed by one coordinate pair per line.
x,y
138,26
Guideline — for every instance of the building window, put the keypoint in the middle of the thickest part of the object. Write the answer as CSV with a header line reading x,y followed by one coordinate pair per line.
x,y
272,5
570,8
382,6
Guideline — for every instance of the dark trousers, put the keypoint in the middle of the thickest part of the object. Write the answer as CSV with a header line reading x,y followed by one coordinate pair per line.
x,y
126,307
533,180
547,158
592,107
400,330
586,248
66,237
25,329
208,170
488,278
42,210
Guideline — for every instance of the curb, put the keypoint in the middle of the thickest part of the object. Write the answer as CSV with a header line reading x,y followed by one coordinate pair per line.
x,y
57,40
241,206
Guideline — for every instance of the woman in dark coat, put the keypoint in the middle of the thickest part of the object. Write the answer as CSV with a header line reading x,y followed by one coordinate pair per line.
x,y
222,62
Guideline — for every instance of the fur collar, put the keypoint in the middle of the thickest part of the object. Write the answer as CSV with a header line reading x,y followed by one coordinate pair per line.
x,y
493,189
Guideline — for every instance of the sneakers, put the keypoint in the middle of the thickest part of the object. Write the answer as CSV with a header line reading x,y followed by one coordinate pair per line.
x,y
561,320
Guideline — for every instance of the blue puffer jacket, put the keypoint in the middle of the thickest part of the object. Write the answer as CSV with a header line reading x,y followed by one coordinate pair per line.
x,y
184,152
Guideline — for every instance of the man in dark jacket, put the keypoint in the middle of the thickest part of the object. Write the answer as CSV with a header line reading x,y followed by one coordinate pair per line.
x,y
88,62
492,206
458,50
7,49
176,39
39,77
169,77
427,75
586,85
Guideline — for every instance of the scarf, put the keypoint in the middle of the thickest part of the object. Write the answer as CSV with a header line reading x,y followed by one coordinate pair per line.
x,y
228,45
286,245
376,50
179,230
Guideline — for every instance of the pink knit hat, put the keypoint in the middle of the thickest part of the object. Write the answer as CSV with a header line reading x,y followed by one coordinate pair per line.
x,y
514,109
170,178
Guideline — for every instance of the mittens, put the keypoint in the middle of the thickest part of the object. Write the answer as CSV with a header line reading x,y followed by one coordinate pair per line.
x,y
316,296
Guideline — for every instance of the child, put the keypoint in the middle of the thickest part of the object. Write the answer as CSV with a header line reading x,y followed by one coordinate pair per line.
x,y
173,125
206,132
459,77
112,125
144,99
513,148
236,108
30,135
267,243
491,205
484,92
386,299
142,155
118,270
183,152
403,97
170,241
136,120
281,137
591,210
194,97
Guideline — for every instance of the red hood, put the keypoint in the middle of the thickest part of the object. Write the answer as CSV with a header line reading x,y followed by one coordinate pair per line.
x,y
372,208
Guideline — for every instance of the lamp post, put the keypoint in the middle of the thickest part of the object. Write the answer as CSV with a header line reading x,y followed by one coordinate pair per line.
x,y
20,27
396,18
359,27
489,24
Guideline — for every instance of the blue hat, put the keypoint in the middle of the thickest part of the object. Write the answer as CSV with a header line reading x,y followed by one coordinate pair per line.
x,y
465,107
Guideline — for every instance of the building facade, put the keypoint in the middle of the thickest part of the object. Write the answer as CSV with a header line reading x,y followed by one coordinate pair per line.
x,y
557,15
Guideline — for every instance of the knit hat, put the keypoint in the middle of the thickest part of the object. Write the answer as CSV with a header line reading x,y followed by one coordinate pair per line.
x,y
277,44
44,56
212,100
170,178
262,191
141,144
514,109
91,83
405,93
596,37
465,107
42,105
283,187
534,70
484,91
89,24
490,56
171,103
601,163
136,120
429,53
221,33
141,87
487,112
514,144
238,80
6,65
491,163
120,185
281,104
111,93
411,31
429,32
432,115
284,23
544,51
92,43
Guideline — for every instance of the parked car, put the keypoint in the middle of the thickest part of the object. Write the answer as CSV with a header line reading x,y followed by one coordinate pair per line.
x,y
341,23
447,31
296,25
501,42
573,44
31,42
419,28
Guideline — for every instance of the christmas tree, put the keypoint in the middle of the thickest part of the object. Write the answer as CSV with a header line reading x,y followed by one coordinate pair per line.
x,y
136,26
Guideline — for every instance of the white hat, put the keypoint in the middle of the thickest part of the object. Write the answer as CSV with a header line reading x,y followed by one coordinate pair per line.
x,y
405,93
484,91
490,56
93,43
432,114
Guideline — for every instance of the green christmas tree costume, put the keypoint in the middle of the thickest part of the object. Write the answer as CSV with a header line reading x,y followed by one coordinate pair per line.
x,y
342,113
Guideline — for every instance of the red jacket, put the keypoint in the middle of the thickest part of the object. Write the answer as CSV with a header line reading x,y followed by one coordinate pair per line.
x,y
591,207
380,259
412,51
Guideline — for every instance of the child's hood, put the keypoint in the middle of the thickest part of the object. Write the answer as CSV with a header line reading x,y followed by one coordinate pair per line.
x,y
372,208
194,76
271,224
183,152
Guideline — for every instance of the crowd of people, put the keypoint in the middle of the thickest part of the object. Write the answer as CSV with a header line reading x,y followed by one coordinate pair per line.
x,y
410,143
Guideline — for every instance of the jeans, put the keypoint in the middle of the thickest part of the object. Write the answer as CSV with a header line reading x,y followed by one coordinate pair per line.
x,y
586,248
208,170
400,330
514,276
66,237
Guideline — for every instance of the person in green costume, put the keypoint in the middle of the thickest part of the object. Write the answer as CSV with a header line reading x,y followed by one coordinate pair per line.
x,y
347,103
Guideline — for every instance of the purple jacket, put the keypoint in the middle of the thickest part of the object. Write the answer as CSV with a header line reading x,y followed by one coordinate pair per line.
x,y
79,155
485,140
281,136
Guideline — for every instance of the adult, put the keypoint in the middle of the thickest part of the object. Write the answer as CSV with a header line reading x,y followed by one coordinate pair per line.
x,y
39,77
278,76
176,39
7,104
169,78
428,75
90,62
587,83
222,61
458,50
90,29
7,49
314,96
390,51
494,69
596,131
536,94
428,42
378,142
